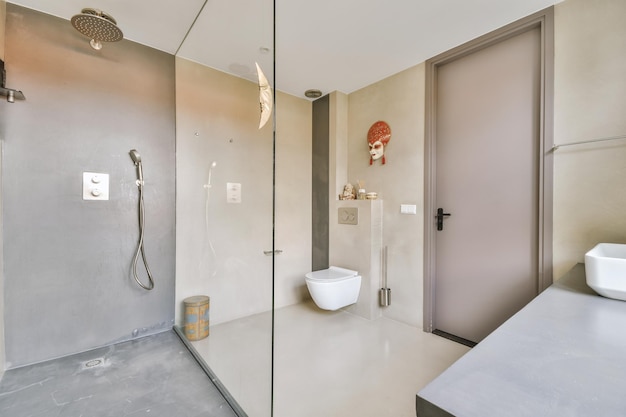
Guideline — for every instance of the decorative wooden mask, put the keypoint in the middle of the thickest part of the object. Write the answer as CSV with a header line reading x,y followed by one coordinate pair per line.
x,y
378,136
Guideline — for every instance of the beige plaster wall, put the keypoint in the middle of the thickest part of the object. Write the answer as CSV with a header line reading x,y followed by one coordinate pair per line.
x,y
590,103
220,246
399,101
3,17
589,180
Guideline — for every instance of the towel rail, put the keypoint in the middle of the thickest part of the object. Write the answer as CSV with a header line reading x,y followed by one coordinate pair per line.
x,y
555,147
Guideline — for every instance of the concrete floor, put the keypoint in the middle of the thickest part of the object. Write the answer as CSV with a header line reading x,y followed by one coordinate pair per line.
x,y
331,364
154,376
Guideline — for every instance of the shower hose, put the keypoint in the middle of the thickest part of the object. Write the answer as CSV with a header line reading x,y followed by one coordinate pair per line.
x,y
140,244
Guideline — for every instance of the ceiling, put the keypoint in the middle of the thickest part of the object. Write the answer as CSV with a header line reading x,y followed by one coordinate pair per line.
x,y
330,45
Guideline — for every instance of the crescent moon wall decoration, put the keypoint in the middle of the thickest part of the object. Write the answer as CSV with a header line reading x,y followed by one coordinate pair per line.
x,y
266,100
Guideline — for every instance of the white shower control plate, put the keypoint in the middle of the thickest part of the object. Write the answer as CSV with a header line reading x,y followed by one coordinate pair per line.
x,y
95,186
233,192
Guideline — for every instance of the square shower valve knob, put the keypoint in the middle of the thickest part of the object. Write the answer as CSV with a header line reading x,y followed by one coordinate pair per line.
x,y
95,186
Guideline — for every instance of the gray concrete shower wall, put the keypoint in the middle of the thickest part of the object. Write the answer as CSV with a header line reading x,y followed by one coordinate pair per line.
x,y
320,175
67,262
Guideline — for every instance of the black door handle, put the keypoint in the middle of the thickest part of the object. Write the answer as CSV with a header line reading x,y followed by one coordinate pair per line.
x,y
440,215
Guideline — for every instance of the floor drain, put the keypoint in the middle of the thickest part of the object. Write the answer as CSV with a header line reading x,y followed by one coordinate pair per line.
x,y
93,363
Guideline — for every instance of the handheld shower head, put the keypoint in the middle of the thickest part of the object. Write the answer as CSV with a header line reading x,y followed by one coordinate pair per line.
x,y
134,155
208,182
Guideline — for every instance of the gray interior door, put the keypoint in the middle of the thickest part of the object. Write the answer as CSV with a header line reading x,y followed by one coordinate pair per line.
x,y
487,179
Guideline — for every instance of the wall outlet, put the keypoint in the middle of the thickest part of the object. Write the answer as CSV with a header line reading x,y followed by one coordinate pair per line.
x,y
348,215
408,209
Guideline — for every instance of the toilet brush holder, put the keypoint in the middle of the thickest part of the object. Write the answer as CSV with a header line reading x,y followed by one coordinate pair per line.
x,y
385,297
385,292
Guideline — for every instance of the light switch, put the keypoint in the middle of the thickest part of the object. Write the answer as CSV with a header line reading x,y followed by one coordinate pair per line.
x,y
408,209
95,186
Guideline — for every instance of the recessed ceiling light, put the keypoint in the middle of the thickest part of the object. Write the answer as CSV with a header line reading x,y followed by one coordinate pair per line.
x,y
313,93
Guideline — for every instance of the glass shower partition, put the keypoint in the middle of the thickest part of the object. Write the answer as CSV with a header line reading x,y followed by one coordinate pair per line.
x,y
225,196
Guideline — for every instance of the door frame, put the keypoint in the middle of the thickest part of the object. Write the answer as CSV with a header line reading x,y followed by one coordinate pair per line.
x,y
544,20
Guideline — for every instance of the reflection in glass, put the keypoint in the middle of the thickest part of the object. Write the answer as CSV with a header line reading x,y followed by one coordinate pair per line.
x,y
225,211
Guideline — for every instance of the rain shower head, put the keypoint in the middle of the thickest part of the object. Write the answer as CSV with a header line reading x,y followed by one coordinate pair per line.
x,y
98,26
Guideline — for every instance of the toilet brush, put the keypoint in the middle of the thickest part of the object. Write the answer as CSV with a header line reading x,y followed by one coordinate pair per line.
x,y
385,293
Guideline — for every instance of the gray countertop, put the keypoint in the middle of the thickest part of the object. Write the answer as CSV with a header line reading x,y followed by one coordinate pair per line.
x,y
564,354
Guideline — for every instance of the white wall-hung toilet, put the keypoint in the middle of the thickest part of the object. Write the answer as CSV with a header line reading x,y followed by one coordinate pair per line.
x,y
333,288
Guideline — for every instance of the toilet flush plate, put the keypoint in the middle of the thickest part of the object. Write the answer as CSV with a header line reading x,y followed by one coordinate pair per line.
x,y
348,215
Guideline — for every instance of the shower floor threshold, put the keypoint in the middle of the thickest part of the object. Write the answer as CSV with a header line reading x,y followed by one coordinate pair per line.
x,y
158,374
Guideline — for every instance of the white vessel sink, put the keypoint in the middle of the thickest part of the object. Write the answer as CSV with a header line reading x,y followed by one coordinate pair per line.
x,y
605,267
